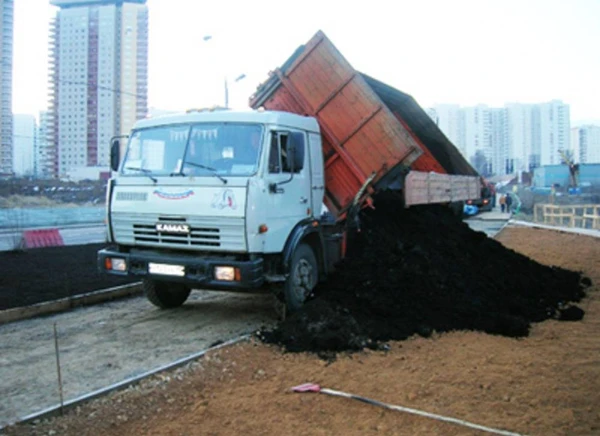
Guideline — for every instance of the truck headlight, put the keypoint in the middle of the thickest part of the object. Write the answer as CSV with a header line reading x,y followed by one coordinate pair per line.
x,y
115,264
225,273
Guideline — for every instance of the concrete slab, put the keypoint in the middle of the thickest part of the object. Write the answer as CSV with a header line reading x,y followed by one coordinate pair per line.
x,y
494,215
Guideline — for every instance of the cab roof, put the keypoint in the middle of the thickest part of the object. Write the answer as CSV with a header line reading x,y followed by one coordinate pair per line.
x,y
228,116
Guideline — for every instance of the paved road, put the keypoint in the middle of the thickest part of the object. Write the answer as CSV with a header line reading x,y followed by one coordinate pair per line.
x,y
488,222
107,343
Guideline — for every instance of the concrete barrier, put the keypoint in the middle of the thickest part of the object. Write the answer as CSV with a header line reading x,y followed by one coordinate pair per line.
x,y
42,238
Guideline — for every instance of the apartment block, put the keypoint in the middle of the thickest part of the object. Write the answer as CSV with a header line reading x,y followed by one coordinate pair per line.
x,y
585,142
499,142
24,145
517,137
555,127
478,138
6,67
43,153
450,119
522,140
98,77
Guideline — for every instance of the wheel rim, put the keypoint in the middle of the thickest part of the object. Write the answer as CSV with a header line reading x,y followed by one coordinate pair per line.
x,y
303,278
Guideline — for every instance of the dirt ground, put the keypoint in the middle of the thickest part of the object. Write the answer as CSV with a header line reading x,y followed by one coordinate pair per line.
x,y
547,383
42,274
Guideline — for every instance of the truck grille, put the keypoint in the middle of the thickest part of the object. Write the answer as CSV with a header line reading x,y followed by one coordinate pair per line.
x,y
222,234
131,196
197,236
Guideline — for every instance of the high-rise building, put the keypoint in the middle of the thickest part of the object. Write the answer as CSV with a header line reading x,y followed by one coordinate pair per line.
x,y
555,128
471,130
24,144
6,58
478,138
585,143
43,153
518,137
98,76
450,119
522,153
499,139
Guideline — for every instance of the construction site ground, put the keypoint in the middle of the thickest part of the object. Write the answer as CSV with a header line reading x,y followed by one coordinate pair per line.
x,y
547,383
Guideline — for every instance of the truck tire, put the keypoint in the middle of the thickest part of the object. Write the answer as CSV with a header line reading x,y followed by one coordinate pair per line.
x,y
302,278
165,295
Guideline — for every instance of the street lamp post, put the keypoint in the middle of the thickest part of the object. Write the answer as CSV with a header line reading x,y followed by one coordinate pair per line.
x,y
207,38
237,79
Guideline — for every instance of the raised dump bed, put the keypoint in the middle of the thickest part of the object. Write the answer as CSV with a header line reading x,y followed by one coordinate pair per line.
x,y
368,128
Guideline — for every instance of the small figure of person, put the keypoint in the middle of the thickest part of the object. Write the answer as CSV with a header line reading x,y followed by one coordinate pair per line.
x,y
502,202
508,202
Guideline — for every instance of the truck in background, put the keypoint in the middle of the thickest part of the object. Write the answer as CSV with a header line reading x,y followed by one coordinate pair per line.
x,y
232,201
487,200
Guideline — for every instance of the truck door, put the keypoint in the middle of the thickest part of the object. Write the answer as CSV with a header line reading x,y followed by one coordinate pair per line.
x,y
289,191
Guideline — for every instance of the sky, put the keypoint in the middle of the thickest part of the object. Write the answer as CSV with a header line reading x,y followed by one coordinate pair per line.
x,y
464,52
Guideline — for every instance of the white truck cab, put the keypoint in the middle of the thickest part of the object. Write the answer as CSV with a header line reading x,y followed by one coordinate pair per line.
x,y
218,200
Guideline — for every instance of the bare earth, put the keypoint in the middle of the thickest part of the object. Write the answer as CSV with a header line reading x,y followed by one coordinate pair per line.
x,y
547,384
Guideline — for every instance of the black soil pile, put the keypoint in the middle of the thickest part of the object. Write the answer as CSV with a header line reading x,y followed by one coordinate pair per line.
x,y
43,274
420,270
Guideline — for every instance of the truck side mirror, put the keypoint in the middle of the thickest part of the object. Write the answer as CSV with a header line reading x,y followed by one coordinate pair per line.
x,y
115,154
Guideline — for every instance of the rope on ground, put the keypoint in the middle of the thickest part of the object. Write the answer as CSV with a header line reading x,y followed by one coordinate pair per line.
x,y
311,387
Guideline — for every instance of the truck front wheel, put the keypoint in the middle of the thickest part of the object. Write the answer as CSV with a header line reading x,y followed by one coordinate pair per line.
x,y
165,295
303,276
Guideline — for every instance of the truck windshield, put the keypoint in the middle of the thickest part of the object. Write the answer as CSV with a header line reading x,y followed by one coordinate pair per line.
x,y
203,149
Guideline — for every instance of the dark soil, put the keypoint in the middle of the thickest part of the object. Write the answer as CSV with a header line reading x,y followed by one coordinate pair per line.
x,y
43,274
420,270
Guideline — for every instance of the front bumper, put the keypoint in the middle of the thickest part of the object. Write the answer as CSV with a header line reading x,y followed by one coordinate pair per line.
x,y
198,271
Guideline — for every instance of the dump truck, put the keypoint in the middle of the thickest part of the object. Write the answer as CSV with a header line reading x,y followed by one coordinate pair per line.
x,y
487,200
234,201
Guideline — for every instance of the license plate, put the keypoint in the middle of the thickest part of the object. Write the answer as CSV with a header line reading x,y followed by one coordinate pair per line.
x,y
165,269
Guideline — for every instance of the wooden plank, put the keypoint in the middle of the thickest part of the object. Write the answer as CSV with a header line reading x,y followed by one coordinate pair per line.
x,y
426,188
580,216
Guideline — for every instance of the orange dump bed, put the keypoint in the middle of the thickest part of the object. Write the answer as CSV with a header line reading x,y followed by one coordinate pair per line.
x,y
363,133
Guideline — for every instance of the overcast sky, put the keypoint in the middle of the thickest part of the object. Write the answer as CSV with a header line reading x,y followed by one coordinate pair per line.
x,y
440,51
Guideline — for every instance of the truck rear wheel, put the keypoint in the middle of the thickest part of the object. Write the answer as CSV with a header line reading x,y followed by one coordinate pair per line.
x,y
164,294
302,279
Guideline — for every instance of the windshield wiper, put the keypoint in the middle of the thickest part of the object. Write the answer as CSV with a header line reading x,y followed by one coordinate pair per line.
x,y
144,171
214,171
178,173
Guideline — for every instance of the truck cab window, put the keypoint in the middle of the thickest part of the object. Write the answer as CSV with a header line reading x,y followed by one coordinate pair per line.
x,y
279,153
285,165
274,154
